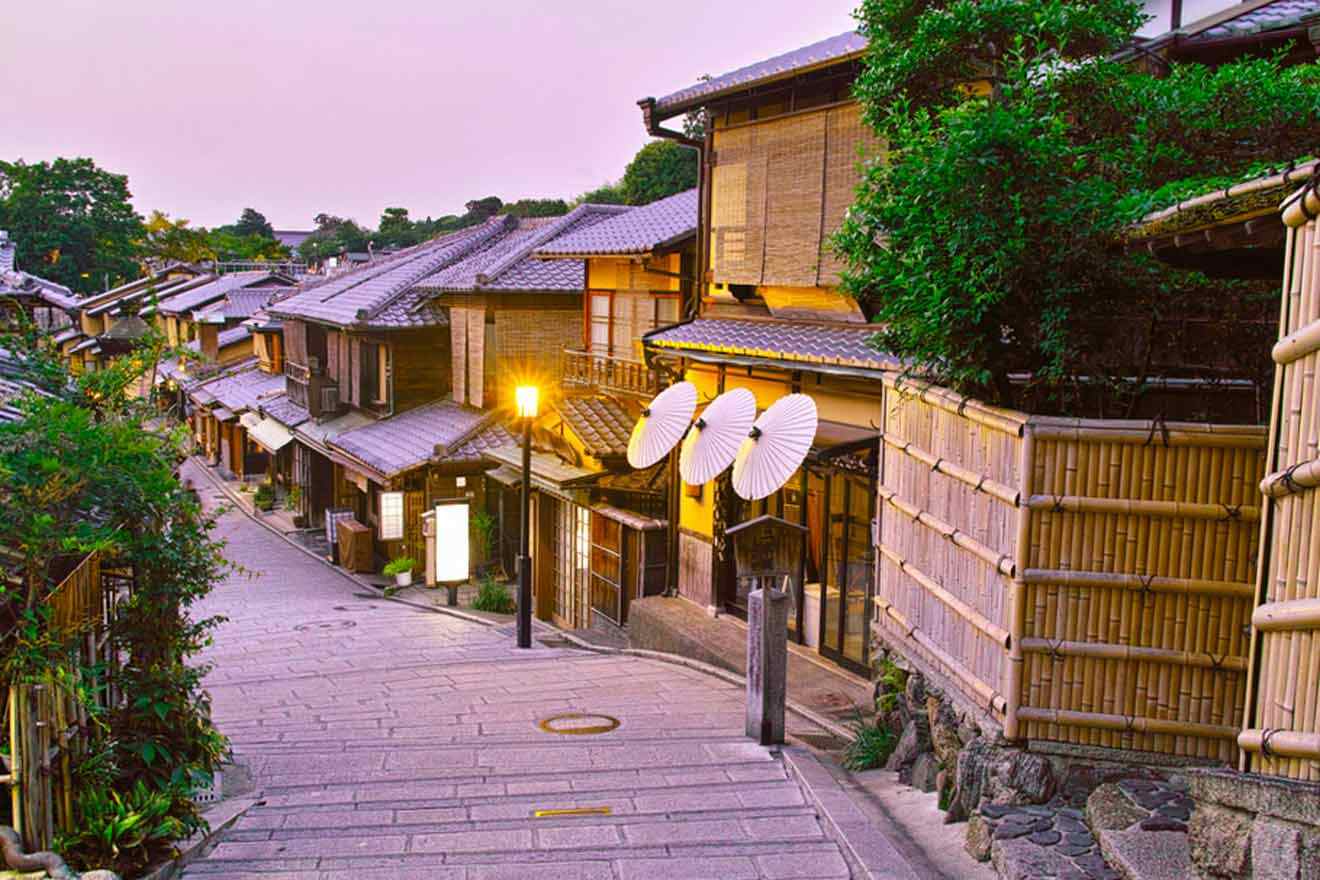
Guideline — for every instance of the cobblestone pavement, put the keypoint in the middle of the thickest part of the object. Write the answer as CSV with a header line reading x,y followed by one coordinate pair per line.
x,y
391,742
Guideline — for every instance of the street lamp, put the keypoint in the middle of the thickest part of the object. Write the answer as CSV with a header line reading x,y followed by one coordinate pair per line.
x,y
526,399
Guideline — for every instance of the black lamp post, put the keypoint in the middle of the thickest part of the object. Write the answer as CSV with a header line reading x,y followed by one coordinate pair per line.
x,y
526,396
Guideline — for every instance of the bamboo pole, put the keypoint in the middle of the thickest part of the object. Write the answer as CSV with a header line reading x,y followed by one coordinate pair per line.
x,y
1285,743
1138,724
992,698
1107,651
978,482
997,633
1147,583
1138,507
1253,439
16,759
954,535
1004,420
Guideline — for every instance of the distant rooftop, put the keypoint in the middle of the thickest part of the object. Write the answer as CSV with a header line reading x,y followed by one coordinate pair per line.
x,y
640,230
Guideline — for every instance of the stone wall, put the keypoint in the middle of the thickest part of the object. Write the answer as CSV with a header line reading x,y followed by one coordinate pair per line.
x,y
1251,826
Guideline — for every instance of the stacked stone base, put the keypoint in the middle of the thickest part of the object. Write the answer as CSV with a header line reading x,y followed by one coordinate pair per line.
x,y
1250,827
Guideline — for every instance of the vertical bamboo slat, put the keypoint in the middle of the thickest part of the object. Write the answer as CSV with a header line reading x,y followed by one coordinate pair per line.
x,y
1282,737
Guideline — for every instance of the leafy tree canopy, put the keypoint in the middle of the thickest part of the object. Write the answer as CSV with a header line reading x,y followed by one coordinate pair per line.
x,y
605,194
985,240
73,222
660,169
536,208
253,222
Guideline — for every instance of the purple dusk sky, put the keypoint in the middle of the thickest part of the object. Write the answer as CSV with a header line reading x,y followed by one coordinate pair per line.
x,y
297,107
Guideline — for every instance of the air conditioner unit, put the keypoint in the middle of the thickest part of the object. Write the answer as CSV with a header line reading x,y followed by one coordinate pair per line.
x,y
313,363
329,398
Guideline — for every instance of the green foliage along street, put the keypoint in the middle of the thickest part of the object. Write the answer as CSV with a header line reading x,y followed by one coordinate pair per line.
x,y
86,470
1018,155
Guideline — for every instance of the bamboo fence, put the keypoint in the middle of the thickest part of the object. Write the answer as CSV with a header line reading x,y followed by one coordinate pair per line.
x,y
45,725
1085,581
1283,734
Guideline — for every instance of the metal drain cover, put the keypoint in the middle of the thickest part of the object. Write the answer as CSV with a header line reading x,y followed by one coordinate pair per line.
x,y
325,624
353,609
578,724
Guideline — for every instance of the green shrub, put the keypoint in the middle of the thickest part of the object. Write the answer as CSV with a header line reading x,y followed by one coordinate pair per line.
x,y
264,498
399,565
126,832
871,745
293,500
893,682
494,598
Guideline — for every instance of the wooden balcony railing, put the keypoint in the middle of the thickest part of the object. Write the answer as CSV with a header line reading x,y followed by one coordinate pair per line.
x,y
297,372
585,369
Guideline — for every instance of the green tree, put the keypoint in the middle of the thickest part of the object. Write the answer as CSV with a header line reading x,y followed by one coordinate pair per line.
x,y
72,220
605,194
536,208
984,243
396,229
253,222
169,241
660,169
333,235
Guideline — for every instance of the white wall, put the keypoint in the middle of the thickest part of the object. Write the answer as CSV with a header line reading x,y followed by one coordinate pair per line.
x,y
1192,10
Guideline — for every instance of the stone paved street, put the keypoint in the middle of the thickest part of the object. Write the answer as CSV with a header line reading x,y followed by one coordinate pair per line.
x,y
390,742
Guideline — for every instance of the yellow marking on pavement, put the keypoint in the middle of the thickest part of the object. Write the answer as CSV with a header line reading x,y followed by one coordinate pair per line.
x,y
573,811
549,725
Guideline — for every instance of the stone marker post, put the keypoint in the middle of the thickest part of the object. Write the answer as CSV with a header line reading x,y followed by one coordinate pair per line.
x,y
767,664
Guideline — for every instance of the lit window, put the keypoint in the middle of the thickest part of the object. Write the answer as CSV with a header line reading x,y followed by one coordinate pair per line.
x,y
391,516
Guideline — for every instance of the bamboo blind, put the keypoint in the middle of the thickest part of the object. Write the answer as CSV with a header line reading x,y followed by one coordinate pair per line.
x,y
780,188
1283,735
1086,581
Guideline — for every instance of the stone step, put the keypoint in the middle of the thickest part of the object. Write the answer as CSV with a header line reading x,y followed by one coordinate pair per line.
x,y
631,799
482,852
1148,855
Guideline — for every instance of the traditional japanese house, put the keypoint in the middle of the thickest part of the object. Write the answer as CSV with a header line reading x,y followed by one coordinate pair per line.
x,y
367,362
1225,30
220,304
26,297
224,406
600,529
780,159
98,313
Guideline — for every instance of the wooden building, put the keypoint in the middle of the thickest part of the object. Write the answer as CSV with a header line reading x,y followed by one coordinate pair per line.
x,y
780,160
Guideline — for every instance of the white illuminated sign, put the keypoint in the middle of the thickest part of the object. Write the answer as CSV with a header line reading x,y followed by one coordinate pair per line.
x,y
451,542
391,516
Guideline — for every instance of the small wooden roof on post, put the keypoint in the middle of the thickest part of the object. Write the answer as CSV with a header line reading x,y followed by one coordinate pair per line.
x,y
768,547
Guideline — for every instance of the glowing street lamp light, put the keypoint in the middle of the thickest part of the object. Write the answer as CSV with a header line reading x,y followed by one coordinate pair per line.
x,y
526,398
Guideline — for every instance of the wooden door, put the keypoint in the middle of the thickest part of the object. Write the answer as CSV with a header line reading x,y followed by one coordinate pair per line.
x,y
543,554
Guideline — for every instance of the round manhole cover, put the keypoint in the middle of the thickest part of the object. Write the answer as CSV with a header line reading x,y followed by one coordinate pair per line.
x,y
578,724
325,624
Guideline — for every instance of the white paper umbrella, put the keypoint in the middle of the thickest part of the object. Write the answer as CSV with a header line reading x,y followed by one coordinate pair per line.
x,y
775,447
662,424
714,439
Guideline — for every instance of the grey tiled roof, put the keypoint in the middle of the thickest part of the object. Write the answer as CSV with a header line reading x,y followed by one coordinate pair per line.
x,y
219,288
828,50
22,285
158,289
410,439
599,422
285,411
243,388
234,335
385,293
243,303
832,345
506,262
638,231
1271,17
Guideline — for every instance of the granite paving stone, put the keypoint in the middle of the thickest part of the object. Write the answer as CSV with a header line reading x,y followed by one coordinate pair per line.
x,y
406,745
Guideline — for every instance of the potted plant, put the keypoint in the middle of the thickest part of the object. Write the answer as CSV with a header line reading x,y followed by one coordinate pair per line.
x,y
400,569
293,503
264,499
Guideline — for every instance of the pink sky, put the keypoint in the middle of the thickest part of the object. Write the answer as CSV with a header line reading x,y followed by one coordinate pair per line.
x,y
298,106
